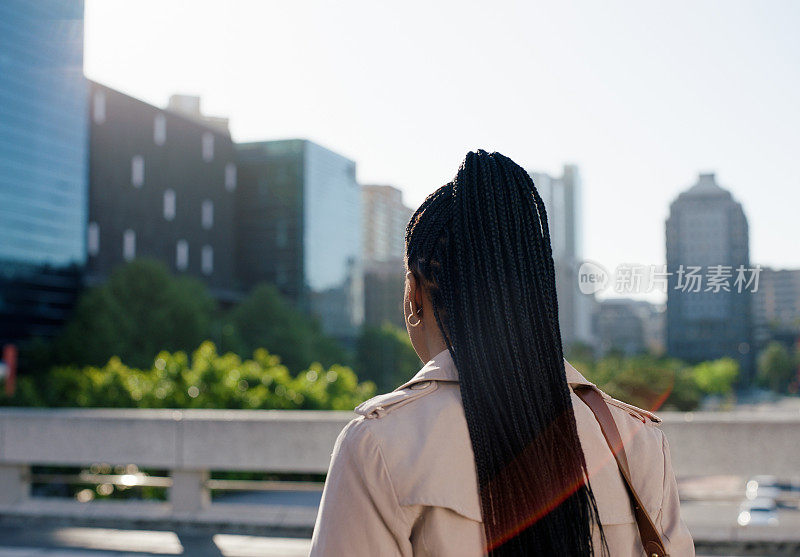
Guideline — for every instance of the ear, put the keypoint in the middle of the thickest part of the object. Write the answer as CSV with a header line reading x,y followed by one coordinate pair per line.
x,y
414,291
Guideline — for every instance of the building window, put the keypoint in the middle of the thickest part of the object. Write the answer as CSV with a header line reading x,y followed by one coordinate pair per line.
x,y
93,238
208,146
99,107
137,171
182,255
169,204
129,245
207,260
159,129
207,214
230,176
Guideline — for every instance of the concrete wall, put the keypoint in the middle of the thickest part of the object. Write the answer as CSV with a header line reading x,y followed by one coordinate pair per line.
x,y
192,443
738,443
267,440
702,443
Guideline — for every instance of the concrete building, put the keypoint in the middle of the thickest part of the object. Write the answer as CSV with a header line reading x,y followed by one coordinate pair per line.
x,y
190,106
629,326
162,186
707,228
776,307
43,165
563,200
299,226
385,220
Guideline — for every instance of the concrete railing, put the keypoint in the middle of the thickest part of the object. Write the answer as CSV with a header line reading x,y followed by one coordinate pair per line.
x,y
191,443
734,443
188,443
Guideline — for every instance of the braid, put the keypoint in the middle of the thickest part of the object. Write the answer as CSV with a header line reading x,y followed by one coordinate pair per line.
x,y
480,246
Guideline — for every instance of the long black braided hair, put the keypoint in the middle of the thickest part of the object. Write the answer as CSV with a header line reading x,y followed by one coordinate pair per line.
x,y
480,246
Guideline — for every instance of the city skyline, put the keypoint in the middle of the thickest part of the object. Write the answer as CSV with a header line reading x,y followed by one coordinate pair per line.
x,y
614,91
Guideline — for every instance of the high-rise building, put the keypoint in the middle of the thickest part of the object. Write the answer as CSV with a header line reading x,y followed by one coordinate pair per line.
x,y
43,165
776,307
385,220
629,326
562,198
162,186
706,229
618,327
299,212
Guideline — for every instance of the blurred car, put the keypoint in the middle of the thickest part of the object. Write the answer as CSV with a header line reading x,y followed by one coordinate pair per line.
x,y
792,485
763,486
761,511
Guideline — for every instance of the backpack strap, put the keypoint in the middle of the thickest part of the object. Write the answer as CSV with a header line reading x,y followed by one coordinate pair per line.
x,y
651,539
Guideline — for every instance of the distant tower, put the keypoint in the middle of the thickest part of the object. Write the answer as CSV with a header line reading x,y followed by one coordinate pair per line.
x,y
562,199
776,308
706,228
385,220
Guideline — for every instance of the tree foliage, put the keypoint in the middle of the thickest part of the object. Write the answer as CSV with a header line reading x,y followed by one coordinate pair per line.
x,y
385,355
204,380
717,376
266,320
653,382
778,368
141,310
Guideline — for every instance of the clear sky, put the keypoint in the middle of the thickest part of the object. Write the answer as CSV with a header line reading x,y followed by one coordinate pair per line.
x,y
641,95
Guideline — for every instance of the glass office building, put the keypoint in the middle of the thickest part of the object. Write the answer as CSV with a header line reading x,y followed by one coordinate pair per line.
x,y
299,227
43,164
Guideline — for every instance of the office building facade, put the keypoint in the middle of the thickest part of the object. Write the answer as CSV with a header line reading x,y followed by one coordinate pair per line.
x,y
43,165
776,307
628,326
299,214
562,197
385,220
707,228
162,186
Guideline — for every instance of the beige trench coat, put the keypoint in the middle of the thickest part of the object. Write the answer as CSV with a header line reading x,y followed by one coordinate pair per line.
x,y
402,477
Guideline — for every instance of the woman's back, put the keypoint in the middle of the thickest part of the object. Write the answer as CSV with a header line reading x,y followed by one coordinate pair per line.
x,y
403,481
482,451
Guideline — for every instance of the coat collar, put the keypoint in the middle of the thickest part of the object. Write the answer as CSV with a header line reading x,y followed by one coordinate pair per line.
x,y
442,368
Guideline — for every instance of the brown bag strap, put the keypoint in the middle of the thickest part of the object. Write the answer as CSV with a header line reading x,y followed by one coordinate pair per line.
x,y
651,540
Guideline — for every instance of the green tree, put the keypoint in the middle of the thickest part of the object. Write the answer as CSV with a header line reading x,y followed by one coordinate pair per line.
x,y
647,381
777,367
139,311
717,376
204,380
266,320
385,355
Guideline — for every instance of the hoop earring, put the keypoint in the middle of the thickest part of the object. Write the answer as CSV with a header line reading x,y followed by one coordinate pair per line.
x,y
411,314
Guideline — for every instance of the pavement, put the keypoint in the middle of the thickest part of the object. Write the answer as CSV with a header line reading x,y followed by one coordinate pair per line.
x,y
713,523
70,541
